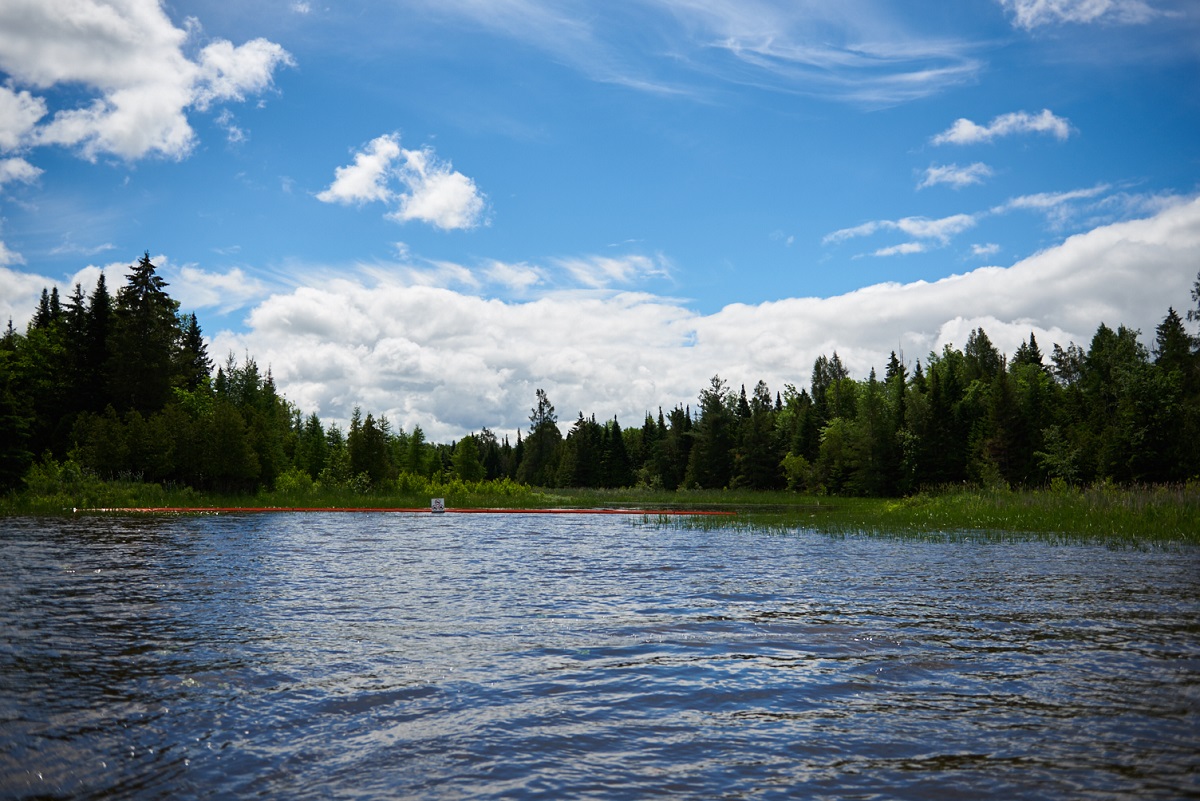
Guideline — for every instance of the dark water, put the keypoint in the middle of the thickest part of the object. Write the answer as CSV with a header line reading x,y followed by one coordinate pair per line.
x,y
394,656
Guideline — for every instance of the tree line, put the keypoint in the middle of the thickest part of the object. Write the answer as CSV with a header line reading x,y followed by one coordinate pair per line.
x,y
123,385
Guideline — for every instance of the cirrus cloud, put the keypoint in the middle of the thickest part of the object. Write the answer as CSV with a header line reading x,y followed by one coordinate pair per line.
x,y
1031,14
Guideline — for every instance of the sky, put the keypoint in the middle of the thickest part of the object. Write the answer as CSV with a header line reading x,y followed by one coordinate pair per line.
x,y
432,208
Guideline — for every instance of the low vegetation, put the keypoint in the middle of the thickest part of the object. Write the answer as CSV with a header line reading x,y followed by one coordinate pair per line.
x,y
1103,511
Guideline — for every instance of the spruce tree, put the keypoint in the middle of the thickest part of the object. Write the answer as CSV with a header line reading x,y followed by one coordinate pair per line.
x,y
143,341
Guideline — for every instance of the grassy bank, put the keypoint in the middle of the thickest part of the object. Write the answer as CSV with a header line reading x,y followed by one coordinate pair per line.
x,y
1105,512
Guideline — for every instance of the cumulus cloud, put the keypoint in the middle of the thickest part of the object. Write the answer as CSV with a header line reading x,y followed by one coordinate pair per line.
x,y
130,60
1031,14
433,192
17,170
437,194
8,256
955,176
19,291
366,179
454,362
966,132
19,115
196,288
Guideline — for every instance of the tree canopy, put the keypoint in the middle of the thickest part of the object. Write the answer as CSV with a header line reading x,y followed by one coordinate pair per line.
x,y
124,386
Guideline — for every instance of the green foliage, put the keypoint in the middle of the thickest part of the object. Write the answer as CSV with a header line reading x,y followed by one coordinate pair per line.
x,y
119,389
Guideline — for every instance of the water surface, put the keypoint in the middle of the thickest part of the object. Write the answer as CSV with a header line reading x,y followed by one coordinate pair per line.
x,y
421,656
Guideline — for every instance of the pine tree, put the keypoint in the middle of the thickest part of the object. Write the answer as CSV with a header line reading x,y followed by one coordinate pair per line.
x,y
143,340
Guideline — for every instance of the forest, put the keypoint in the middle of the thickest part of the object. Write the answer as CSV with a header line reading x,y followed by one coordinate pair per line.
x,y
121,386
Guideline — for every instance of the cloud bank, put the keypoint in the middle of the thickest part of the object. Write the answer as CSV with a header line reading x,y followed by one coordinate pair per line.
x,y
453,362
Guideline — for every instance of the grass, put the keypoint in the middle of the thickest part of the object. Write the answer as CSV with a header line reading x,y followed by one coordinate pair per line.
x,y
1154,514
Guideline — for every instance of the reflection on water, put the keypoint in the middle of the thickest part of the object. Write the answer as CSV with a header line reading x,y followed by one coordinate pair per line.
x,y
386,655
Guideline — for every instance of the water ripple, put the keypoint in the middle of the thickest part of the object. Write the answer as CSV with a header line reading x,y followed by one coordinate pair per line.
x,y
383,656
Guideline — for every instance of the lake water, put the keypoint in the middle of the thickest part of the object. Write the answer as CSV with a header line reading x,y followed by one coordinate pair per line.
x,y
518,656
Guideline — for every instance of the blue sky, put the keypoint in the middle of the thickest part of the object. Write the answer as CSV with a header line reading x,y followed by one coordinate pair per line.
x,y
432,208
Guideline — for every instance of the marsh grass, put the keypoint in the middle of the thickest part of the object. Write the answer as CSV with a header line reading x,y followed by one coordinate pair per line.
x,y
1114,515
1157,514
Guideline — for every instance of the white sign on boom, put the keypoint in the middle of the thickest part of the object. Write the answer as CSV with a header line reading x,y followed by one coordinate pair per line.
x,y
437,505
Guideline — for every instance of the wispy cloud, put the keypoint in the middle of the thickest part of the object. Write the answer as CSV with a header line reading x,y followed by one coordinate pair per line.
x,y
902,249
938,231
855,51
600,272
966,132
1031,14
433,192
955,176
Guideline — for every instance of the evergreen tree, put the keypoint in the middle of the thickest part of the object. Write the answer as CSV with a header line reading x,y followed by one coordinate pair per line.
x,y
1028,353
467,464
616,470
96,358
540,463
193,367
710,464
143,341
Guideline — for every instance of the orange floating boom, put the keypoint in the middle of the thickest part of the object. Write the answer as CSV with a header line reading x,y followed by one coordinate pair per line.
x,y
406,510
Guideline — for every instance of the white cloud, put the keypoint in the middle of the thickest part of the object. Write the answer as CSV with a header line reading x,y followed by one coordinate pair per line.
x,y
454,362
989,249
366,179
936,231
8,257
903,249
19,115
1031,14
519,277
955,176
599,272
19,291
1058,207
857,51
965,132
196,288
435,192
1042,201
19,170
129,59
69,248
233,133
